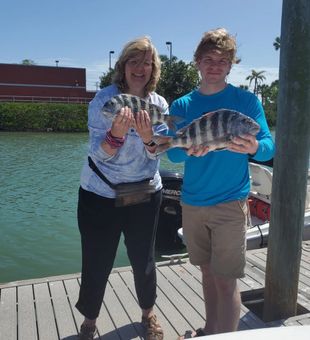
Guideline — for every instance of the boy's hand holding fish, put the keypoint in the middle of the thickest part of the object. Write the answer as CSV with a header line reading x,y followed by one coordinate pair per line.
x,y
244,144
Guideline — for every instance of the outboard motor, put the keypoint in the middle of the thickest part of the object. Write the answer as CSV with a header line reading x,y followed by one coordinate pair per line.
x,y
170,215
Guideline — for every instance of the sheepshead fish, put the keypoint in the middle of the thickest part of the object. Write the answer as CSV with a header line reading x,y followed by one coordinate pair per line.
x,y
213,129
157,116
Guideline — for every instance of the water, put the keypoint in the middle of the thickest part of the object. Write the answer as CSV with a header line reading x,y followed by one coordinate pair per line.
x,y
39,177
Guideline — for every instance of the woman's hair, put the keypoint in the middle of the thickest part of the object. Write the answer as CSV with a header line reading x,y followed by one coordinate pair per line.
x,y
217,40
131,50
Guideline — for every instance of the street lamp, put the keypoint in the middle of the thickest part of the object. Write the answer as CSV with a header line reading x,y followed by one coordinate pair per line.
x,y
56,61
169,45
110,53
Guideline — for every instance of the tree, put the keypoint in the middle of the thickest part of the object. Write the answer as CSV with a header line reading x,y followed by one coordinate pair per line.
x,y
263,91
244,87
271,102
106,78
277,43
177,78
28,62
258,78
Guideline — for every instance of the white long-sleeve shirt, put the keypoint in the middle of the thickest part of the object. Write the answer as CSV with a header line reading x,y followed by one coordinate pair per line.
x,y
131,163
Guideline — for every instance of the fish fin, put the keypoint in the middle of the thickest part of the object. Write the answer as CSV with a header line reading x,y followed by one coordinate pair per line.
x,y
184,128
173,121
209,114
159,140
220,149
162,148
107,114
163,143
181,131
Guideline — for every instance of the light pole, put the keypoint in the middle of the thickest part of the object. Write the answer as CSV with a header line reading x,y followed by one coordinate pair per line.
x,y
110,53
56,61
169,45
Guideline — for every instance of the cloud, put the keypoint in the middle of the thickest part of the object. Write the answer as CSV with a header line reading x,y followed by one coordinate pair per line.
x,y
236,77
93,73
239,73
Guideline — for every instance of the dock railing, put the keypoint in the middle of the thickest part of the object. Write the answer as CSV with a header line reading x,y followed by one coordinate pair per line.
x,y
45,99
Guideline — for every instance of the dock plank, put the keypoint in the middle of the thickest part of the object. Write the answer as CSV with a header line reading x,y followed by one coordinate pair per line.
x,y
47,328
72,288
170,332
176,280
62,310
8,314
177,301
27,328
129,302
44,309
119,316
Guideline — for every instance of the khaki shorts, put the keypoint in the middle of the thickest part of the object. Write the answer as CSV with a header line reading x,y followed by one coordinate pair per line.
x,y
216,235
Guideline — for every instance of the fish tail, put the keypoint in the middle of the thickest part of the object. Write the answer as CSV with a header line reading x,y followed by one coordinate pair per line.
x,y
161,139
163,143
162,148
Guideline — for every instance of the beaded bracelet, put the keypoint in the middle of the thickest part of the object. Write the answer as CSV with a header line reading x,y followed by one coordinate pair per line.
x,y
114,142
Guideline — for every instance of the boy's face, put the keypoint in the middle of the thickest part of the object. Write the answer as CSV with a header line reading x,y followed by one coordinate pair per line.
x,y
214,67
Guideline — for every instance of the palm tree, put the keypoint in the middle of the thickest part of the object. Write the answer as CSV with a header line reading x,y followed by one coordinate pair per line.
x,y
264,91
244,87
277,43
258,78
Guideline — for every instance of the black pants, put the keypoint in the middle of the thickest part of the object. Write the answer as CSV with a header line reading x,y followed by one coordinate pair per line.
x,y
101,225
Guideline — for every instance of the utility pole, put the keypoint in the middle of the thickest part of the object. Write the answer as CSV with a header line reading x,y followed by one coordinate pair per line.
x,y
291,163
169,45
110,53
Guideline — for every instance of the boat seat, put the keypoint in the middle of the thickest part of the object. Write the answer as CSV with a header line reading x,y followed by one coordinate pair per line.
x,y
261,182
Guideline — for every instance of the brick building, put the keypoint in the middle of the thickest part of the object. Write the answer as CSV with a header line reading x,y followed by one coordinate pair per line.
x,y
35,83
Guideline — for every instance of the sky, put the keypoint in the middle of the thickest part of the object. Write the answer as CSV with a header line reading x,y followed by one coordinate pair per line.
x,y
80,33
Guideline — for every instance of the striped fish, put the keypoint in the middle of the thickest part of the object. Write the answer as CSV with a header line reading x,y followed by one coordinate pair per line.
x,y
213,129
136,104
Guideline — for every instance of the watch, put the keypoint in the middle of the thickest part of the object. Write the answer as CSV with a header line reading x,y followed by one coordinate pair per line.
x,y
150,143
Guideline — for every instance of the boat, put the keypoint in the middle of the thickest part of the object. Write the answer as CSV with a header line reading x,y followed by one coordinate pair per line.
x,y
170,233
275,333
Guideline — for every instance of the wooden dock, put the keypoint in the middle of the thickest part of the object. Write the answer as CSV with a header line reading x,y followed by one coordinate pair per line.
x,y
43,309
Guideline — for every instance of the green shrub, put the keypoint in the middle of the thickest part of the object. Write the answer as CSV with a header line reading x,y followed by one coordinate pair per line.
x,y
43,117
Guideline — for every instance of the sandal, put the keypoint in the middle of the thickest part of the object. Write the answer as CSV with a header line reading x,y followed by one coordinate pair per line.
x,y
87,333
193,334
153,329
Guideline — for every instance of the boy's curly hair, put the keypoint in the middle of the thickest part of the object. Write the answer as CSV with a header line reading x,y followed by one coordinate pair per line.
x,y
217,40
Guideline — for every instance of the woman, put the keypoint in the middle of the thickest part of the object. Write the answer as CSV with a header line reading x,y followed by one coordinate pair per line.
x,y
121,150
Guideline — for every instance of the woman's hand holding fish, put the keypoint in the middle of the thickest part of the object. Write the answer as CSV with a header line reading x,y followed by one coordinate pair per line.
x,y
245,144
122,122
143,126
198,150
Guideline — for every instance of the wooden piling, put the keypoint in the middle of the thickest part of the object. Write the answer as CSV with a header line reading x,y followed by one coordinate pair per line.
x,y
290,164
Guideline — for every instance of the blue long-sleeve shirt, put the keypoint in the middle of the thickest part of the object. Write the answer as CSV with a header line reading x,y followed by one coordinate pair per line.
x,y
132,162
219,176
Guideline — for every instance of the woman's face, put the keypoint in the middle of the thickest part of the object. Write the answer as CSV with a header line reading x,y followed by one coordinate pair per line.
x,y
138,72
